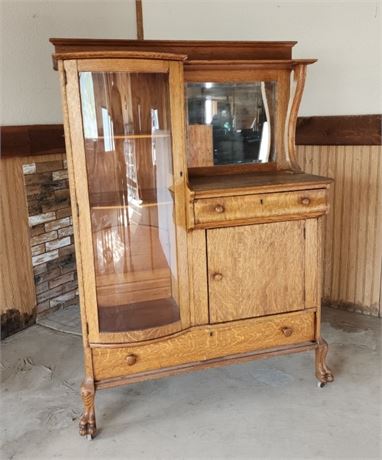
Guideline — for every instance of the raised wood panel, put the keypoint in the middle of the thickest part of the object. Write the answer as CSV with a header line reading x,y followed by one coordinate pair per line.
x,y
203,343
17,289
199,146
255,270
352,240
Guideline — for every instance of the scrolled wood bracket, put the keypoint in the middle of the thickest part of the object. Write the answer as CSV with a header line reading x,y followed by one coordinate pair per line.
x,y
297,89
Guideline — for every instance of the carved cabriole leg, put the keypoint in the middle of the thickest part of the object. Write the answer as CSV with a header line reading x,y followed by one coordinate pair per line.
x,y
323,373
87,421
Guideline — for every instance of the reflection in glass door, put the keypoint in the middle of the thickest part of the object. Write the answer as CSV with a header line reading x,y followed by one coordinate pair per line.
x,y
130,177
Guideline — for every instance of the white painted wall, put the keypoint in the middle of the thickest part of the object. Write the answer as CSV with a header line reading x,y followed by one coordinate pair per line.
x,y
30,91
346,37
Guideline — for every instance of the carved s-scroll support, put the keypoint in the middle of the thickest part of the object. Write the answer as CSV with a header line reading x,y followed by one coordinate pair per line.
x,y
323,373
88,421
297,88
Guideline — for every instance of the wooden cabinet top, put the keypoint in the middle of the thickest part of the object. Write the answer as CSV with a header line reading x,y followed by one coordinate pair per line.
x,y
200,50
258,182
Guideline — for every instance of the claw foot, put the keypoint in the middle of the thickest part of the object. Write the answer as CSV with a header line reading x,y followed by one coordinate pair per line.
x,y
323,373
87,424
88,427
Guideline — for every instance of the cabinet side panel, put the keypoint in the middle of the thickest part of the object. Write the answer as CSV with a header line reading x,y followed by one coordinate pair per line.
x,y
198,277
312,275
73,198
180,177
80,204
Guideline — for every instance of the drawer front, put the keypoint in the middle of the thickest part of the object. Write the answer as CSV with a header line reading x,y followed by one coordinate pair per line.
x,y
266,207
204,343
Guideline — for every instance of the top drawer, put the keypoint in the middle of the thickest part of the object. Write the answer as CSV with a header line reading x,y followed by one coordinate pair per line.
x,y
266,207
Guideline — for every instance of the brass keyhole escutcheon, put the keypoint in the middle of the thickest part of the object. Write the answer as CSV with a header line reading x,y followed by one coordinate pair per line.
x,y
219,208
287,331
131,359
305,201
217,276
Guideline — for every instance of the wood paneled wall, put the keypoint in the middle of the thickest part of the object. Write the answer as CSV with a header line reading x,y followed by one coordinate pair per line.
x,y
17,289
353,229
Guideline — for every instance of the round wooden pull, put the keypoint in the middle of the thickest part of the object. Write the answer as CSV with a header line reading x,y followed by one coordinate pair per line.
x,y
287,331
305,201
217,276
219,208
131,359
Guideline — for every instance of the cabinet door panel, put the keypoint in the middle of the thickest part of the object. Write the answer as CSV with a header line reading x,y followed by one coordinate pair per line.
x,y
124,126
255,270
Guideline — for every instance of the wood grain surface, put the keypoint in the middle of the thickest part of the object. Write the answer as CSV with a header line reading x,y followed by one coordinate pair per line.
x,y
340,130
205,342
17,288
279,206
255,270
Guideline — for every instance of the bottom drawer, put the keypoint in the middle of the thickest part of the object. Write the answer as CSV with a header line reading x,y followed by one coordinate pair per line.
x,y
203,343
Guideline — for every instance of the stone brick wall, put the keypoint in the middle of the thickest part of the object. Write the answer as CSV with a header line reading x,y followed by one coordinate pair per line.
x,y
51,232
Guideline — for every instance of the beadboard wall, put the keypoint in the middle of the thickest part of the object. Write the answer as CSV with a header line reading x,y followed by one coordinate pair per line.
x,y
353,229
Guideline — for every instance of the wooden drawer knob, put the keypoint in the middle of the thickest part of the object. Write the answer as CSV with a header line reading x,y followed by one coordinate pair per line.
x,y
287,331
219,208
305,201
217,276
131,359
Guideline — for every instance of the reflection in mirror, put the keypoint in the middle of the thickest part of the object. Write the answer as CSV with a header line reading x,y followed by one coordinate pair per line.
x,y
230,123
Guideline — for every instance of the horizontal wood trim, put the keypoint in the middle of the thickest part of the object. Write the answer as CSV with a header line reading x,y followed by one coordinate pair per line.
x,y
194,49
32,140
340,130
28,140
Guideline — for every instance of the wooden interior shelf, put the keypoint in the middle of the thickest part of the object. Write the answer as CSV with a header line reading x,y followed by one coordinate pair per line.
x,y
138,316
127,206
130,136
114,200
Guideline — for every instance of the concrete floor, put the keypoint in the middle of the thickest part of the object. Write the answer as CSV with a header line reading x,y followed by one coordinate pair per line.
x,y
260,410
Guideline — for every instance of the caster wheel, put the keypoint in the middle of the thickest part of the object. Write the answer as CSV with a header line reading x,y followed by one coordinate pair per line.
x,y
321,384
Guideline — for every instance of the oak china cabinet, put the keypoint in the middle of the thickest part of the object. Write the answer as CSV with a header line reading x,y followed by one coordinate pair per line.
x,y
198,237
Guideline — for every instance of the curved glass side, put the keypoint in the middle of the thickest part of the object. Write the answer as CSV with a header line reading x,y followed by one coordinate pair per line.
x,y
130,177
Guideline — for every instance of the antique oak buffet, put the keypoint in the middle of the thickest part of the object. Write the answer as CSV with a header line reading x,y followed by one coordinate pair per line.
x,y
198,237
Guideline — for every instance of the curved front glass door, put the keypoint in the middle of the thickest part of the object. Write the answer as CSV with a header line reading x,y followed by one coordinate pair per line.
x,y
127,134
